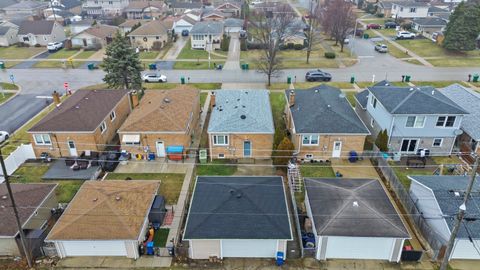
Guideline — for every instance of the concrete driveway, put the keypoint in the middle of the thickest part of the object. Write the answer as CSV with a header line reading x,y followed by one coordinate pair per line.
x,y
233,58
176,48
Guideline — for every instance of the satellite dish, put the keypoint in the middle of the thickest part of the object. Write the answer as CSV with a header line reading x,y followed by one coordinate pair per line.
x,y
458,132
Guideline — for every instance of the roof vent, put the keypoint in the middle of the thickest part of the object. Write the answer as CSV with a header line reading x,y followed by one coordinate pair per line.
x,y
238,99
341,95
316,90
355,204
411,89
243,106
232,191
235,107
328,106
4,197
239,195
243,116
166,100
457,194
117,198
77,107
86,98
387,84
433,92
95,199
246,92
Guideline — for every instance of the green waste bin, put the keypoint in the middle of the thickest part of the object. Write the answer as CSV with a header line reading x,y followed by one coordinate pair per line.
x,y
182,80
246,66
352,79
202,156
243,66
289,80
475,77
91,66
407,78
2,65
152,66
366,36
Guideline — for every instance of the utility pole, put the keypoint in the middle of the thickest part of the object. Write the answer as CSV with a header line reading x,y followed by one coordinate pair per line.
x,y
15,211
460,215
53,10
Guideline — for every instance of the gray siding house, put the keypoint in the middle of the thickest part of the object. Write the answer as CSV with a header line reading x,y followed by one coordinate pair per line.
x,y
438,198
414,117
40,32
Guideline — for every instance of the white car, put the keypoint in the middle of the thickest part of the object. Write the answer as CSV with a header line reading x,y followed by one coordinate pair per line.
x,y
54,46
405,35
152,77
3,136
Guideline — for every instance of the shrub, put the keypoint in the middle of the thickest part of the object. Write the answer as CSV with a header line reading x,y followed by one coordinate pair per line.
x,y
298,46
330,55
382,141
380,15
243,44
157,45
38,45
283,153
290,46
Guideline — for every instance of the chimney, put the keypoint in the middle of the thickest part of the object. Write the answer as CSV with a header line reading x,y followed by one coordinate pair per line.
x,y
134,99
291,98
212,100
56,97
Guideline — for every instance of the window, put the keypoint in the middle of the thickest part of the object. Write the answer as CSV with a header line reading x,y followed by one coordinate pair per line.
x,y
157,38
413,10
445,121
103,127
373,102
415,121
437,142
310,140
110,2
112,116
220,140
221,155
401,9
42,139
372,122
308,156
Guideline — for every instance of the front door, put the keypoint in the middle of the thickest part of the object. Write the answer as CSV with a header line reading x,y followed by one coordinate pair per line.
x,y
337,149
409,146
247,149
72,148
160,149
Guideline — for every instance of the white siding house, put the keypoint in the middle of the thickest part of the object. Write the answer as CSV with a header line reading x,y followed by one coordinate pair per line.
x,y
409,9
40,32
206,35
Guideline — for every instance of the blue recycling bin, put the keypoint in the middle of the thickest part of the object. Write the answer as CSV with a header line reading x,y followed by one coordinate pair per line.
x,y
280,258
151,156
150,250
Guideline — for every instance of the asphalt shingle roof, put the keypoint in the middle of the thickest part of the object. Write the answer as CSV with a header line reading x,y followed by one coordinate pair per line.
x,y
207,27
362,98
430,21
353,207
238,207
323,109
36,27
186,5
153,28
6,3
414,100
470,101
4,30
443,188
434,9
410,3
27,5
238,111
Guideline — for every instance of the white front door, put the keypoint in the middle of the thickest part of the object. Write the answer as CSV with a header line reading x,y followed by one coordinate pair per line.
x,y
160,149
72,148
337,149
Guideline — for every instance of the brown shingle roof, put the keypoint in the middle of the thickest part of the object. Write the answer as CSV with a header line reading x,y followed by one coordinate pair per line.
x,y
83,111
28,198
130,23
163,110
102,31
153,28
106,210
144,4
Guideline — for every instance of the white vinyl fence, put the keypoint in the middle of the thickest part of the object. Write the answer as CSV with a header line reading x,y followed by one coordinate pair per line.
x,y
17,158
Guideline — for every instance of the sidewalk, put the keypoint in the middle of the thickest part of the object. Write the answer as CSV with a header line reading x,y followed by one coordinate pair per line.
x,y
233,58
114,262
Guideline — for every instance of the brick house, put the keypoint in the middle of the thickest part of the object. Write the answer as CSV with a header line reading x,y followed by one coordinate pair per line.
x,y
322,124
241,125
88,120
163,119
152,35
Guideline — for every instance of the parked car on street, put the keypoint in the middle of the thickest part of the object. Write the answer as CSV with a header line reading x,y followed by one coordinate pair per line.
x,y
380,47
374,26
390,25
3,136
405,35
318,75
152,77
54,46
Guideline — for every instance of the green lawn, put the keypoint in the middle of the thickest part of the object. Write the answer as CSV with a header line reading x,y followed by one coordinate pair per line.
x,y
5,96
203,98
32,173
160,237
307,85
396,52
427,48
188,53
217,167
149,55
56,64
166,86
8,86
13,52
170,183
277,101
62,54
350,95
316,170
84,55
455,62
196,65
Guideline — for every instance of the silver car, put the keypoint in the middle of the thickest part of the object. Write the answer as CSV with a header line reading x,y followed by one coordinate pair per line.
x,y
152,77
382,48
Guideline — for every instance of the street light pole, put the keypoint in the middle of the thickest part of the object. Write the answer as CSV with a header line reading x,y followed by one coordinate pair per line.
x,y
460,216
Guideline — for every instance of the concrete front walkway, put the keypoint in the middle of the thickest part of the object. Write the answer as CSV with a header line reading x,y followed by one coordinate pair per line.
x,y
114,262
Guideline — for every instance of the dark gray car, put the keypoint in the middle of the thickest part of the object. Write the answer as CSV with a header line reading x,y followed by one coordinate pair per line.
x,y
318,75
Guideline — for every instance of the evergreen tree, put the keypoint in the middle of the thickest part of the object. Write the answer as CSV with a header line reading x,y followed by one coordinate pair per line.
x,y
382,141
463,28
122,65
284,152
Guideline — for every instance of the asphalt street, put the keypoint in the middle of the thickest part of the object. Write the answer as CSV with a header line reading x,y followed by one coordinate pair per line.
x,y
42,82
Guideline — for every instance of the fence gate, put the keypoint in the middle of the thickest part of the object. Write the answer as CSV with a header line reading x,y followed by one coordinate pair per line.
x,y
295,180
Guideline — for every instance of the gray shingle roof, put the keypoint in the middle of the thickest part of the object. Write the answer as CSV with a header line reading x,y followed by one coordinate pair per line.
x,y
434,9
233,22
410,3
414,100
323,109
238,207
241,111
362,98
4,30
207,27
430,21
443,188
469,101
6,3
332,201
27,5
186,5
36,27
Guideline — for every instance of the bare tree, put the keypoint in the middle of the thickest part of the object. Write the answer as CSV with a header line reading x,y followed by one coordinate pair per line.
x,y
337,20
268,30
314,13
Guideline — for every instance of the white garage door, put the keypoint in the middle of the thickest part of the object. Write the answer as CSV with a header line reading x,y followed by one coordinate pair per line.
x,y
249,248
94,248
359,248
233,29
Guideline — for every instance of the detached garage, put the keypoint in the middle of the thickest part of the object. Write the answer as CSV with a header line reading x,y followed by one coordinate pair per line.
x,y
105,218
353,219
238,217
